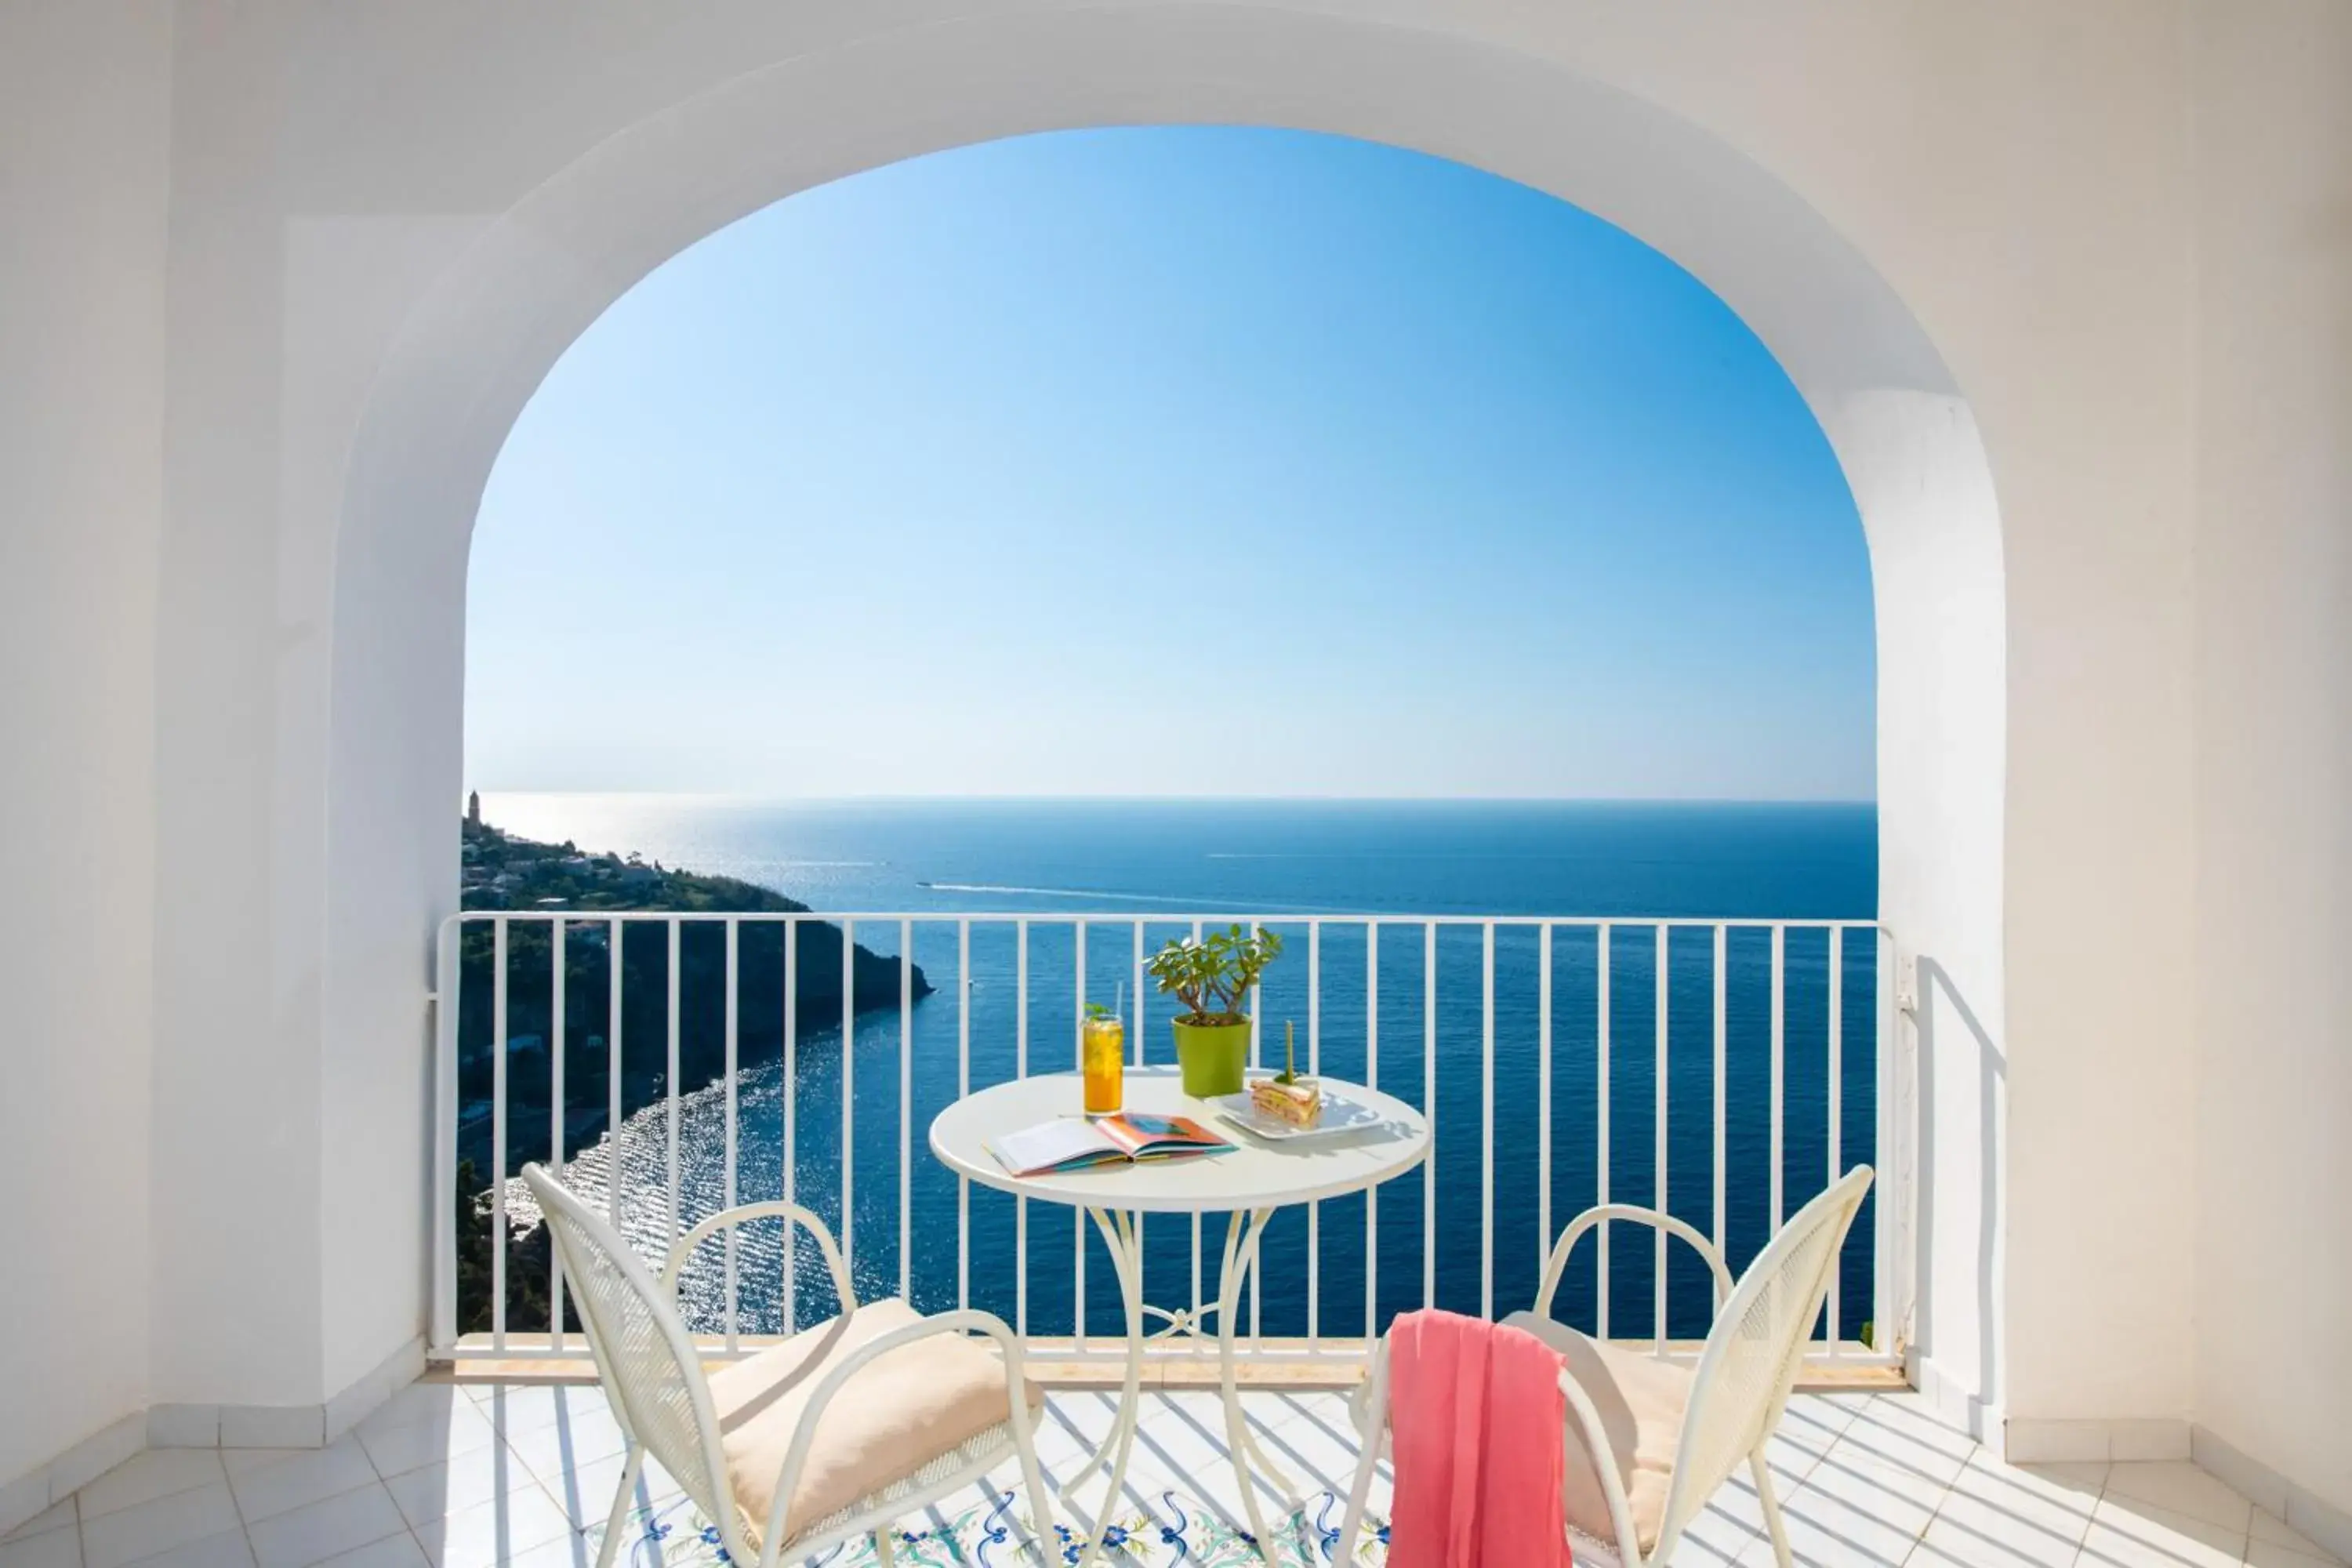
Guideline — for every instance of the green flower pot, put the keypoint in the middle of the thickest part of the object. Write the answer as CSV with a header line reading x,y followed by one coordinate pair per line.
x,y
1212,1057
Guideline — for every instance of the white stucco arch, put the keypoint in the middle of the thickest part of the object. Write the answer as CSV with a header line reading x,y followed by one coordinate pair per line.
x,y
526,282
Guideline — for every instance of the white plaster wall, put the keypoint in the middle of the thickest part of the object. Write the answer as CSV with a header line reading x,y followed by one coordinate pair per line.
x,y
85,95
238,1279
2274,1168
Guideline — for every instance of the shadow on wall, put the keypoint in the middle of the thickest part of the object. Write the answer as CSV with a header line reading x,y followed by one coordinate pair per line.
x,y
1941,1003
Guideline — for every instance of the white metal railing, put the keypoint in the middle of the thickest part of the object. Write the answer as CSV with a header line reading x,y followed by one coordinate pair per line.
x,y
1560,1020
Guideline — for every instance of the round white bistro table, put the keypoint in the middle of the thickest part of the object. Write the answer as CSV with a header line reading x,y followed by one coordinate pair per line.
x,y
1250,1184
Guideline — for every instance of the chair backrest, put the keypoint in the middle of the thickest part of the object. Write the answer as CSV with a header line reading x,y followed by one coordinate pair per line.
x,y
644,1355
1756,1348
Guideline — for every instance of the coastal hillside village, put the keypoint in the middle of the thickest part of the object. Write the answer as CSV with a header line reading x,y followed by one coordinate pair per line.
x,y
500,871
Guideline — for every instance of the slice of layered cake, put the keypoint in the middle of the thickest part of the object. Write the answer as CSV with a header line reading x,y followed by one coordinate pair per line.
x,y
1288,1098
1298,1102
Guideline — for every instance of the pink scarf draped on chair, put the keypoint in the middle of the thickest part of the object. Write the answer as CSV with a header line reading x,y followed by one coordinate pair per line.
x,y
1474,1417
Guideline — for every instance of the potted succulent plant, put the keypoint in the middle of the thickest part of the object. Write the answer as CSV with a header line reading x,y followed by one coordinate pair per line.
x,y
1212,977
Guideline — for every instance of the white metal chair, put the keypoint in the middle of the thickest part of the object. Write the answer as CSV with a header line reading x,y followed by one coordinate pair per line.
x,y
829,1435
1665,1435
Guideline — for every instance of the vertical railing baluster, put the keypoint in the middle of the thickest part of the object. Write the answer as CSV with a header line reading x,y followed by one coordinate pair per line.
x,y
1021,1069
499,1135
964,1090
1543,1096
1892,1154
1658,1182
1722,1038
1079,1216
1196,1226
448,981
613,1078
905,1111
734,1046
1137,981
1837,1099
1314,1067
1486,1129
788,1315
1779,1024
848,1073
1429,1104
1371,1081
669,1087
1257,1056
555,1022
1600,1135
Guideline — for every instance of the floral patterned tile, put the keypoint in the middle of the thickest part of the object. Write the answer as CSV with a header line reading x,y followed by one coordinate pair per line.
x,y
996,1533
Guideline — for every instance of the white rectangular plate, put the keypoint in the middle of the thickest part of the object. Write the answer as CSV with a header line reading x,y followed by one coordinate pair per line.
x,y
1341,1115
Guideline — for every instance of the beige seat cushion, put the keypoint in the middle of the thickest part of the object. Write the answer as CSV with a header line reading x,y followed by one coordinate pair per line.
x,y
891,1419
1641,1400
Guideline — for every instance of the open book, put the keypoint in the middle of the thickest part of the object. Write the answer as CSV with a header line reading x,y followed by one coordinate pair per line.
x,y
1072,1144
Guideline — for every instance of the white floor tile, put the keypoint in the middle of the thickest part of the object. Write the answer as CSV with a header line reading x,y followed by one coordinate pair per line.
x,y
2285,1544
1903,1433
568,1442
439,1437
1973,1528
1874,1480
150,1528
49,1549
1717,1536
56,1516
2052,1505
271,1481
325,1529
1857,1524
574,1551
2072,1484
2179,1486
1835,1411
418,1402
437,1492
2261,1554
392,1551
493,1532
1791,1463
520,1407
585,1493
143,1478
229,1549
2126,1534
1313,1457
1812,1426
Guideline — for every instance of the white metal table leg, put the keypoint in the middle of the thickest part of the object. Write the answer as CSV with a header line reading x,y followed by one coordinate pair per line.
x,y
1242,1237
1124,1238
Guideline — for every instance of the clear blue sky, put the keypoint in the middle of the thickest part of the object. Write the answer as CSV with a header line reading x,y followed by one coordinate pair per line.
x,y
1167,462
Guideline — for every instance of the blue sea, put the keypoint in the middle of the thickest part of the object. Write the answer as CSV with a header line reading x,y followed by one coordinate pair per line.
x,y
1457,862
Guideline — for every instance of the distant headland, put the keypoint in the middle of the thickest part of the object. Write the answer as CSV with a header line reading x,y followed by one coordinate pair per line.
x,y
504,872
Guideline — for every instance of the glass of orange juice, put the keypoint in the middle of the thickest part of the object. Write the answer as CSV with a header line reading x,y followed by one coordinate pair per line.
x,y
1102,1060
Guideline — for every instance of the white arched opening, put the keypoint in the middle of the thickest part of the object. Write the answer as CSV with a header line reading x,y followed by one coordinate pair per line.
x,y
469,358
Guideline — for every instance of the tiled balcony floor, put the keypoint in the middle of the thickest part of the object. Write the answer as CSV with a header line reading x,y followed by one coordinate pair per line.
x,y
471,1476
